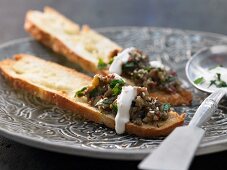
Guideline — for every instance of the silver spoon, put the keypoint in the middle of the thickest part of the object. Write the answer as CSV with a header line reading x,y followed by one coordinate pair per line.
x,y
198,65
177,150
204,60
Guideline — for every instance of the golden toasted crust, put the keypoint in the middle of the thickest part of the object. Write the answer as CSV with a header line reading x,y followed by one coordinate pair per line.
x,y
23,72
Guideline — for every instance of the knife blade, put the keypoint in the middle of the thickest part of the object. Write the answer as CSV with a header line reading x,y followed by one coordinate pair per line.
x,y
177,150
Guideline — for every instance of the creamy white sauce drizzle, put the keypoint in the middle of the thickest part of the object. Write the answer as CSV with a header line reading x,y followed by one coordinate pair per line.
x,y
121,58
156,64
212,75
124,102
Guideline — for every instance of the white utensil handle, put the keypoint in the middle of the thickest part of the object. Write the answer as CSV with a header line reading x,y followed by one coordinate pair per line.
x,y
207,108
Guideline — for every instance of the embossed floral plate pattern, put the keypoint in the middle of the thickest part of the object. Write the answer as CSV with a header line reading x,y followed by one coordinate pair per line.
x,y
29,120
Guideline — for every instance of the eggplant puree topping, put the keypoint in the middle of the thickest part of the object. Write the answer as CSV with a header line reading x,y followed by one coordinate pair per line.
x,y
103,93
138,70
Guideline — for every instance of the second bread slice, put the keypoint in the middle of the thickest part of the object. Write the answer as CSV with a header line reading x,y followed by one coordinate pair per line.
x,y
83,46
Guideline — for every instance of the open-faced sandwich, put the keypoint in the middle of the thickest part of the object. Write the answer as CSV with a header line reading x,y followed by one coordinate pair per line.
x,y
160,81
97,54
105,99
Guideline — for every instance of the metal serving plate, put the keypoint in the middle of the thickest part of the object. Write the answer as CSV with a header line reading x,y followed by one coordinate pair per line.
x,y
29,120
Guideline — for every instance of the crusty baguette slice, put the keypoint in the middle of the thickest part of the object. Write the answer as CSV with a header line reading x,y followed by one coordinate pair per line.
x,y
57,84
83,45
64,37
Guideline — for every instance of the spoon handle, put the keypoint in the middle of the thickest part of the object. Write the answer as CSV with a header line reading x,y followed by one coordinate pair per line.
x,y
207,108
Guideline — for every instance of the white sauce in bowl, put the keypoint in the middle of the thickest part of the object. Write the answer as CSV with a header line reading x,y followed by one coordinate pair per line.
x,y
124,102
212,75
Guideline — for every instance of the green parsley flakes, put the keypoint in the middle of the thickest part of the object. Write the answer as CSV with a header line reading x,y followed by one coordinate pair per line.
x,y
114,82
101,64
80,92
116,86
199,80
166,107
218,82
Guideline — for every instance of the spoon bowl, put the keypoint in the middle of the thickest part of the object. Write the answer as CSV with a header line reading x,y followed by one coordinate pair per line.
x,y
204,60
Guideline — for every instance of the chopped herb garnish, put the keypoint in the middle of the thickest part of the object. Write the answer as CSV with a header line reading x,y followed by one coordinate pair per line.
x,y
101,64
199,80
129,65
221,84
166,107
80,92
114,82
212,82
114,107
218,76
218,82
117,89
111,61
116,86
170,79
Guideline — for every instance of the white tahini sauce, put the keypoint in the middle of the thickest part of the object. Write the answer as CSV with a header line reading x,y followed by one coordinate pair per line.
x,y
156,64
121,58
124,102
212,74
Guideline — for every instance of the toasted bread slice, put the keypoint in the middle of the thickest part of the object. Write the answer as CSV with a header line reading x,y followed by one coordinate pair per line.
x,y
83,45
57,84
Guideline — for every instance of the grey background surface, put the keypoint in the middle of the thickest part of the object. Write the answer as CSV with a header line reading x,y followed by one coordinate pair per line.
x,y
203,15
